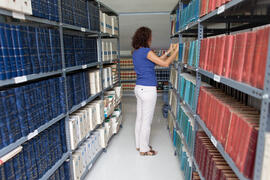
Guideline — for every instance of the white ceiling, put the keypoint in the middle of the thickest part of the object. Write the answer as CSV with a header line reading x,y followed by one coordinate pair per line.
x,y
136,13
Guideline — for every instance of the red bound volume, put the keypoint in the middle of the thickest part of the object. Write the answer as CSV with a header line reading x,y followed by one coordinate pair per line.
x,y
249,57
216,55
228,55
218,3
225,125
221,55
207,51
202,53
231,131
263,57
214,46
238,57
208,57
202,8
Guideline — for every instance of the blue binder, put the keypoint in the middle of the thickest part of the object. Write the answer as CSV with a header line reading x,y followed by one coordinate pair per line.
x,y
16,49
32,41
5,51
22,114
12,60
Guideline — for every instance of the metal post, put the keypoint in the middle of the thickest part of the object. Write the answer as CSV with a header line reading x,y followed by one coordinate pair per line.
x,y
264,120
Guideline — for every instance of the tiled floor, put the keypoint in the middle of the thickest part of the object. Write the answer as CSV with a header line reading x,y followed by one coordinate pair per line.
x,y
123,162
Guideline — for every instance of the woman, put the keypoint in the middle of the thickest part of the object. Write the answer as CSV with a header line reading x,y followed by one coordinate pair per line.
x,y
144,61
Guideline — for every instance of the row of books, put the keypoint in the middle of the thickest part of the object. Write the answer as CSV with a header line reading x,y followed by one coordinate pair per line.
x,y
38,155
162,75
108,24
126,63
78,88
109,50
187,88
85,120
47,9
128,86
173,102
115,77
62,173
28,50
211,163
24,109
189,53
128,75
186,124
208,6
184,158
80,50
195,176
189,13
233,124
75,12
241,57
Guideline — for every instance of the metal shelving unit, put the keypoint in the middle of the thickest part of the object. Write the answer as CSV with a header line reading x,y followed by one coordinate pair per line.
x,y
198,29
29,20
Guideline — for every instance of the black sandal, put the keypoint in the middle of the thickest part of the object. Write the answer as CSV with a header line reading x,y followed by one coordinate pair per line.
x,y
149,153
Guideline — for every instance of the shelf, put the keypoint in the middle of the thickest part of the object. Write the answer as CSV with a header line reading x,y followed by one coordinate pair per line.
x,y
77,28
245,88
109,62
186,66
108,88
187,107
28,18
221,150
198,169
90,165
27,78
55,167
75,68
108,36
218,11
22,140
83,103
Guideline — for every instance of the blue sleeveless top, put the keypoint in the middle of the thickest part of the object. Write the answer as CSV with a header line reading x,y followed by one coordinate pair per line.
x,y
144,68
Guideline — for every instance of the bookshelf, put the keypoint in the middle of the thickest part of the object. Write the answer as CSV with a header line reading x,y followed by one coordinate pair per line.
x,y
198,28
47,22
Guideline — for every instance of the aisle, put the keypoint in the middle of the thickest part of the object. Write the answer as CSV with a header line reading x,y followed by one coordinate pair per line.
x,y
122,161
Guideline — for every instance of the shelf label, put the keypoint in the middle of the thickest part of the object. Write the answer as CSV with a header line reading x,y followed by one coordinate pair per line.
x,y
20,79
83,29
186,27
18,15
214,141
84,66
216,78
185,65
32,135
221,9
83,103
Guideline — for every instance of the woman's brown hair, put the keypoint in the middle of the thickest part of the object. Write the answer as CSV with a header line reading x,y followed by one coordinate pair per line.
x,y
141,38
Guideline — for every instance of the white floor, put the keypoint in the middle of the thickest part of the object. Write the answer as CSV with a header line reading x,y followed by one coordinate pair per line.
x,y
123,162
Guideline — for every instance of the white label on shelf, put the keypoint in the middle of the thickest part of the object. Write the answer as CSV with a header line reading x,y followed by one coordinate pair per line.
x,y
20,79
83,103
185,65
214,141
83,29
221,9
90,166
18,15
216,78
32,135
197,69
84,66
186,27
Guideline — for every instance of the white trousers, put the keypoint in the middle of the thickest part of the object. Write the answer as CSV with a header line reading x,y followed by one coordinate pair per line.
x,y
146,102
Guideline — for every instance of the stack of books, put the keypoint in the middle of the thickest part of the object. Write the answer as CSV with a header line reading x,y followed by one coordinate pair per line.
x,y
210,161
28,50
26,108
233,124
38,155
238,56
